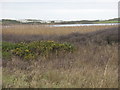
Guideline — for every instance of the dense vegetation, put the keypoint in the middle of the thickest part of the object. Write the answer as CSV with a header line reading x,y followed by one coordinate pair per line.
x,y
93,63
34,49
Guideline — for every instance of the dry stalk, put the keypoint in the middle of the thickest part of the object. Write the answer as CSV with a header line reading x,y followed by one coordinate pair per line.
x,y
105,72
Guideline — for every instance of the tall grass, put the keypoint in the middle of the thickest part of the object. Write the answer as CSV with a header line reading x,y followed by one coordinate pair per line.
x,y
18,33
92,65
46,30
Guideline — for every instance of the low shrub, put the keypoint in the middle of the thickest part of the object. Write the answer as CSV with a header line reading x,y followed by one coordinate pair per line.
x,y
35,49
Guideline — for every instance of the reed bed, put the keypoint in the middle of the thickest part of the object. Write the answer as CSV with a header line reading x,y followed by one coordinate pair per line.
x,y
46,30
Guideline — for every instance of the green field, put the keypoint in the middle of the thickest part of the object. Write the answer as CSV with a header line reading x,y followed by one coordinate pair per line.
x,y
108,22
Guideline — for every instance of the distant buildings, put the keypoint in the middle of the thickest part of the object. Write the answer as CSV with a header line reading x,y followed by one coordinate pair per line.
x,y
38,21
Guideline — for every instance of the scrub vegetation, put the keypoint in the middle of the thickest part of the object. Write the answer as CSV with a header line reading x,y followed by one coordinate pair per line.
x,y
38,56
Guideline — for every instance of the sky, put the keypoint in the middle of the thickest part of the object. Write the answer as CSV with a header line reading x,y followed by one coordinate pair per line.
x,y
59,9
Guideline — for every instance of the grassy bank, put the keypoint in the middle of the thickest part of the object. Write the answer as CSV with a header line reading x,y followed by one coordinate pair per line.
x,y
93,64
108,22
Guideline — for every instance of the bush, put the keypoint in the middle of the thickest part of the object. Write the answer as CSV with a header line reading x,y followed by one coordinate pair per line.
x,y
6,55
34,49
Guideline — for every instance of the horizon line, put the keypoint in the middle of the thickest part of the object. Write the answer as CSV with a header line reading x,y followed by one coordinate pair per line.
x,y
59,19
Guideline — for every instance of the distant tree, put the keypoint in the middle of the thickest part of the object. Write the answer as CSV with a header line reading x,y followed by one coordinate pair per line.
x,y
52,21
9,21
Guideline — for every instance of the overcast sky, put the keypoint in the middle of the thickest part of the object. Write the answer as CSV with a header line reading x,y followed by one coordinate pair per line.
x,y
59,9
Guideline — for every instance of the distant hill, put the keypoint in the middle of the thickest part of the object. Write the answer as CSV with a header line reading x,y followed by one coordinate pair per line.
x,y
115,19
9,21
35,21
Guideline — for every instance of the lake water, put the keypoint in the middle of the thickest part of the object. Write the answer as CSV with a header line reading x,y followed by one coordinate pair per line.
x,y
72,25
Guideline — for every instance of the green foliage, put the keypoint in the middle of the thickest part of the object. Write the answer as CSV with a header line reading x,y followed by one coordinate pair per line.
x,y
7,46
9,21
34,49
6,55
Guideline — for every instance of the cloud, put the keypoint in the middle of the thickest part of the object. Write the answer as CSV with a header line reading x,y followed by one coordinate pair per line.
x,y
84,10
60,9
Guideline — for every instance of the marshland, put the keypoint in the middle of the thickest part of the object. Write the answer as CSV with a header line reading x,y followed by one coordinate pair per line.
x,y
59,44
38,56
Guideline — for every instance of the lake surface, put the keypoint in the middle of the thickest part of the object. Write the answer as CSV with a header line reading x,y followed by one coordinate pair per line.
x,y
67,25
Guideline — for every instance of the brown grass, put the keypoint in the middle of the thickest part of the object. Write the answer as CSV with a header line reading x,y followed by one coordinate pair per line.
x,y
45,30
37,32
92,65
83,69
